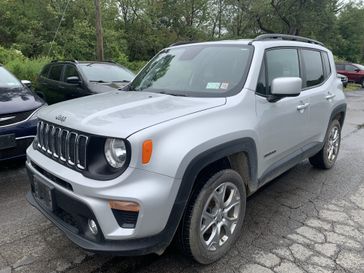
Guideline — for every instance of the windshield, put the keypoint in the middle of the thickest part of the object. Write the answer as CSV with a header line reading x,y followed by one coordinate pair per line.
x,y
7,80
361,67
197,70
96,72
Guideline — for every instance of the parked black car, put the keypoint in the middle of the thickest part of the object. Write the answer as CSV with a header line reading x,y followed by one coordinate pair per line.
x,y
18,119
64,80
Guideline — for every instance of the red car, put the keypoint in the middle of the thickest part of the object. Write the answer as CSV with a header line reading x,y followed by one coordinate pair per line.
x,y
354,72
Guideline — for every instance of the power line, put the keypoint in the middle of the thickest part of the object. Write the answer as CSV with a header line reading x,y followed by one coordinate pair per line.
x,y
59,25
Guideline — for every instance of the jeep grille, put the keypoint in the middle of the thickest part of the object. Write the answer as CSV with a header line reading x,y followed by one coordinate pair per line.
x,y
63,145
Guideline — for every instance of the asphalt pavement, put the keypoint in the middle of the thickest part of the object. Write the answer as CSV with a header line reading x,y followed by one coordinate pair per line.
x,y
307,220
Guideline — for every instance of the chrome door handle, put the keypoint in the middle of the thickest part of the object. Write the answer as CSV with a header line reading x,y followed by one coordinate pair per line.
x,y
330,96
302,106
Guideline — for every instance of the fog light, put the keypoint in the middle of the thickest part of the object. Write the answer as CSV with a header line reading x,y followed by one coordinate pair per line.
x,y
92,226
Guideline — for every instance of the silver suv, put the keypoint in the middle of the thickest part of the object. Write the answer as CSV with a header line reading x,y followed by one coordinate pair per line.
x,y
176,153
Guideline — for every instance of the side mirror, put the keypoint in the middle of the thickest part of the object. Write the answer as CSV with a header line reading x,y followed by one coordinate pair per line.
x,y
285,87
357,70
26,83
40,94
73,80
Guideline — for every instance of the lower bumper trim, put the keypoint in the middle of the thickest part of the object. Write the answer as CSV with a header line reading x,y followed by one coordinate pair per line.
x,y
130,247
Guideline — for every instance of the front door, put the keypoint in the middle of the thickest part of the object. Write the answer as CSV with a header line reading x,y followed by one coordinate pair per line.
x,y
282,124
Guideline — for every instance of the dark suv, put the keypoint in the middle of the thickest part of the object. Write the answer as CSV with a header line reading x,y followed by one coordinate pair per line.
x,y
354,72
64,80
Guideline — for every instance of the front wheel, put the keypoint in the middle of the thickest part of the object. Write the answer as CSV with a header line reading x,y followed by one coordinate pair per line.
x,y
362,82
327,156
214,217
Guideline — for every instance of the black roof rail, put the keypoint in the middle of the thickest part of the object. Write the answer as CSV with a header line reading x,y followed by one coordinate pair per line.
x,y
287,37
55,61
182,43
110,61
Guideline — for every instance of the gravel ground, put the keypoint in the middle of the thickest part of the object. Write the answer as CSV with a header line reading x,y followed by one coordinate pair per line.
x,y
306,220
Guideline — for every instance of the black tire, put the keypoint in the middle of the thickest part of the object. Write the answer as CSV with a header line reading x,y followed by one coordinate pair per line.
x,y
190,236
322,159
362,83
345,85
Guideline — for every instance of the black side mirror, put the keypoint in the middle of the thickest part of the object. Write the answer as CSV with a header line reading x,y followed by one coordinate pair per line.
x,y
73,80
40,94
357,70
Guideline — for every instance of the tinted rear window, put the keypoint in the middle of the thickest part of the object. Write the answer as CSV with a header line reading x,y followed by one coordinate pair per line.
x,y
313,67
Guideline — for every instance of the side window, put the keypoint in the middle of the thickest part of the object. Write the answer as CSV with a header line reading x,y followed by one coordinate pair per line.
x,y
312,64
45,71
350,68
340,67
262,83
55,72
326,61
70,71
282,63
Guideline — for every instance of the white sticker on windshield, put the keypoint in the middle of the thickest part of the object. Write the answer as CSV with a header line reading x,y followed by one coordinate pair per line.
x,y
213,85
224,85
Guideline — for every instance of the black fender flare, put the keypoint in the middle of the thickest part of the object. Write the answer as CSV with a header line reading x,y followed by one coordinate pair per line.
x,y
194,167
341,108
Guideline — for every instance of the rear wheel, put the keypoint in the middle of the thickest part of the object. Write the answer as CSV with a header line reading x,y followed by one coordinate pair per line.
x,y
327,156
214,217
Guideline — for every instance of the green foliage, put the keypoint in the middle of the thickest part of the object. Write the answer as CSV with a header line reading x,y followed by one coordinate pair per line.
x,y
26,69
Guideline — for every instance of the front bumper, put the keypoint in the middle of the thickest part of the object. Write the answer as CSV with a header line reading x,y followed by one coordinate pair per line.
x,y
84,199
24,134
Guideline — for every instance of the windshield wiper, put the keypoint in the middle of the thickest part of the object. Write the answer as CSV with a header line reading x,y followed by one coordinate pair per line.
x,y
121,81
172,94
99,81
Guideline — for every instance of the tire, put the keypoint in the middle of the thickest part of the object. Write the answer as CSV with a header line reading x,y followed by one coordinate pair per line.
x,y
204,212
326,157
362,83
345,85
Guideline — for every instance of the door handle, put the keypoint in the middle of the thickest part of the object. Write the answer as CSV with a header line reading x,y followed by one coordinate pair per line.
x,y
302,106
330,96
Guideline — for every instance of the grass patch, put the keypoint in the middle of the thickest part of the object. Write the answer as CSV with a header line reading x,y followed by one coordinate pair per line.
x,y
352,87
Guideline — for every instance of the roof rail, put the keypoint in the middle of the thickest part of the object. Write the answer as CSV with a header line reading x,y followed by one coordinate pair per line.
x,y
182,43
55,61
286,37
110,61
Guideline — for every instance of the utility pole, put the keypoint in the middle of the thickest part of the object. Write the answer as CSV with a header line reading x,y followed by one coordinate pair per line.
x,y
99,34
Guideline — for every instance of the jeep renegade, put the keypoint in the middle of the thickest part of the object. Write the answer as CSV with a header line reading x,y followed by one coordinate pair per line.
x,y
176,154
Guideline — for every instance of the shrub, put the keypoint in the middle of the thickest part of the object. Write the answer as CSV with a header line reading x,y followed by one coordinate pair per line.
x,y
134,66
27,69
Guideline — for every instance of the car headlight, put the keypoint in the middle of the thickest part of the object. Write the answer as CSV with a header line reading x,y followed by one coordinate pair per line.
x,y
115,152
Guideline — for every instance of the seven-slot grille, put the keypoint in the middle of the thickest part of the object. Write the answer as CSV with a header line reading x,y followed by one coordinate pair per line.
x,y
62,145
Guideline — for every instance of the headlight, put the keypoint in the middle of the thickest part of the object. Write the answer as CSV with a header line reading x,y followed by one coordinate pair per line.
x,y
115,152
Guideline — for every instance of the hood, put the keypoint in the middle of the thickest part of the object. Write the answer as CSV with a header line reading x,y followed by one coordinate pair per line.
x,y
15,100
105,87
121,113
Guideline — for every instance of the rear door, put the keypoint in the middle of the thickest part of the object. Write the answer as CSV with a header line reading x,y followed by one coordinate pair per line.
x,y
282,126
316,70
53,91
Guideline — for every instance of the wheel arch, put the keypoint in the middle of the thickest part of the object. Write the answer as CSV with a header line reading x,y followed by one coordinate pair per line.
x,y
338,113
